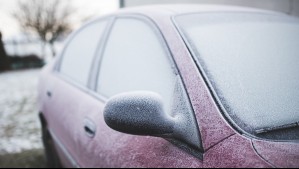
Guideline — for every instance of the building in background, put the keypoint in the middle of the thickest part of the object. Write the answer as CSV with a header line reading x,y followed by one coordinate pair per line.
x,y
286,6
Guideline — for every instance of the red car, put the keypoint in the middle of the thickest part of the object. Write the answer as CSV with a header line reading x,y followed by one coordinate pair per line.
x,y
175,86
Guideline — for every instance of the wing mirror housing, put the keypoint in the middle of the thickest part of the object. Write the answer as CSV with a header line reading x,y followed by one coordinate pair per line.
x,y
142,113
139,113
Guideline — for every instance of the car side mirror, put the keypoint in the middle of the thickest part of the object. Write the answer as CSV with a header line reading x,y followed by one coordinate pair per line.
x,y
139,113
143,113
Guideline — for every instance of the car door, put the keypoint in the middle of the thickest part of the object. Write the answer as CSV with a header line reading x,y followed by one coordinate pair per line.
x,y
67,86
136,58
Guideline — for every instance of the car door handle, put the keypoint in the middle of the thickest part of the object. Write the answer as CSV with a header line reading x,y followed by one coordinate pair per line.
x,y
89,128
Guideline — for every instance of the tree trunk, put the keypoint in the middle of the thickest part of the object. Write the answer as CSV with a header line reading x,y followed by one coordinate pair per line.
x,y
53,49
43,50
4,61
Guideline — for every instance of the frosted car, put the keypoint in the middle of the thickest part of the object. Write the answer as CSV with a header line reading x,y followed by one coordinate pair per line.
x,y
175,86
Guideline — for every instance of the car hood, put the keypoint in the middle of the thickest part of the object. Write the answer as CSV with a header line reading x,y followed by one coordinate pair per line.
x,y
279,154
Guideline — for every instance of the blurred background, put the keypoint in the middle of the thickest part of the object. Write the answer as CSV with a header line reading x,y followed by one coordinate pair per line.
x,y
32,32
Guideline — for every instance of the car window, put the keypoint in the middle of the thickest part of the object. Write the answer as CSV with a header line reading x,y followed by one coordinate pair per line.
x,y
136,59
78,55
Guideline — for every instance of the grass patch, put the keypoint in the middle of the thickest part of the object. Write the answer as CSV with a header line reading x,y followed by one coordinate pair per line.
x,y
25,159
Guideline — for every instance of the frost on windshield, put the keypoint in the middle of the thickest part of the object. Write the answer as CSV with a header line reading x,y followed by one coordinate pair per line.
x,y
252,62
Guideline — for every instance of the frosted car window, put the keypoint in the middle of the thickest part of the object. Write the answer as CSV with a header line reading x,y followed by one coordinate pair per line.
x,y
252,61
79,53
135,59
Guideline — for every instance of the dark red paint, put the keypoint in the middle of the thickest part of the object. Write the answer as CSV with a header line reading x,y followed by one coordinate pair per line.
x,y
223,146
280,154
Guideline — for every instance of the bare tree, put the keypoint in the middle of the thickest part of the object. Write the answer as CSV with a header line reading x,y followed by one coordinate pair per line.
x,y
49,19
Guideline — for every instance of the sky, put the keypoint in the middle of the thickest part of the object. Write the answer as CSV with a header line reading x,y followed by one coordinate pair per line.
x,y
9,27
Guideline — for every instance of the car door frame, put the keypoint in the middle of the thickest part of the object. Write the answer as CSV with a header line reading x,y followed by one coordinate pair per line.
x,y
156,29
55,73
98,60
94,71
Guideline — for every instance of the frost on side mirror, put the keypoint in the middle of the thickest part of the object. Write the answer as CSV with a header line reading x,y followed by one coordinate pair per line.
x,y
142,113
139,113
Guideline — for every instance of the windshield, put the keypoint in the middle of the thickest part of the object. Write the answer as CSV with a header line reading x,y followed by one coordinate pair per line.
x,y
252,62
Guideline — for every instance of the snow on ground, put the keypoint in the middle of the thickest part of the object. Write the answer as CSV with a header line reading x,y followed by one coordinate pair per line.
x,y
19,123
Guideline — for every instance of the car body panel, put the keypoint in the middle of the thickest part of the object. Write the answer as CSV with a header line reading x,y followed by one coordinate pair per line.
x,y
235,152
223,146
64,117
280,154
108,148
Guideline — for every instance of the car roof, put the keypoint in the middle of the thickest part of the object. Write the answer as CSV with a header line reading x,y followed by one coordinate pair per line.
x,y
179,9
